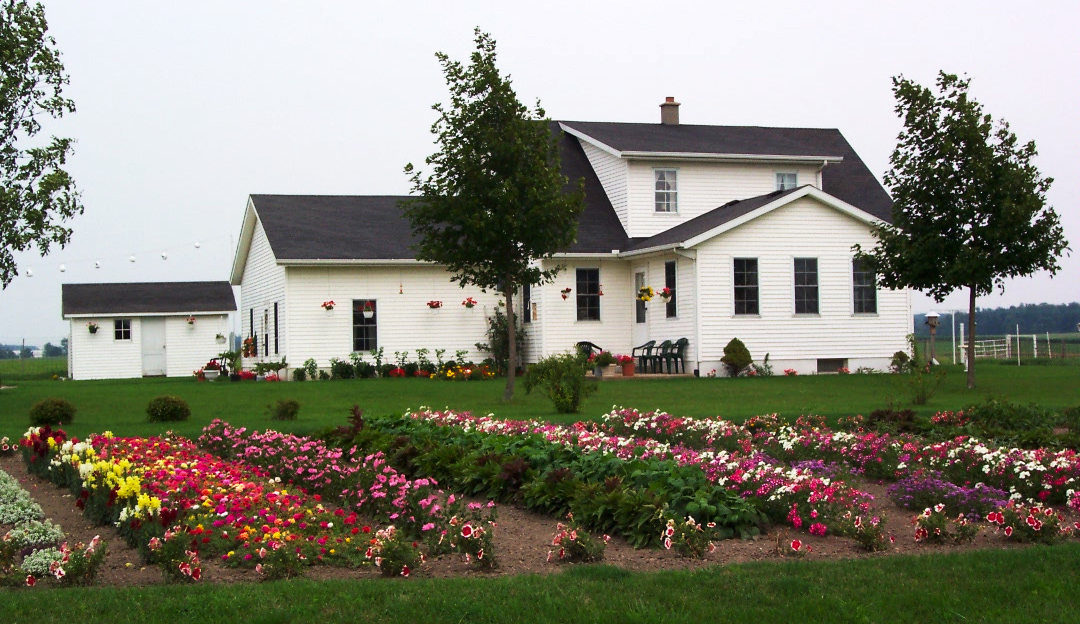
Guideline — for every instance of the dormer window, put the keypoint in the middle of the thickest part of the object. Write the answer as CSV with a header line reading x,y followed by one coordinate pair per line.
x,y
667,190
785,181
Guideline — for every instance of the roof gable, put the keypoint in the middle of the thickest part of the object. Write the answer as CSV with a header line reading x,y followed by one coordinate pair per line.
x,y
147,298
735,213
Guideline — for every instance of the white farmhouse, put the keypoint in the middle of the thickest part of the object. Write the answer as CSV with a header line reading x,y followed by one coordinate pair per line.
x,y
750,228
145,329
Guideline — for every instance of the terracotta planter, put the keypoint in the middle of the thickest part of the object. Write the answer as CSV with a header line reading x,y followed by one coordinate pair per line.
x,y
628,369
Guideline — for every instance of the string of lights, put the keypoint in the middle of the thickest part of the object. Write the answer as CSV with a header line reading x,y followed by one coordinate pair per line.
x,y
99,261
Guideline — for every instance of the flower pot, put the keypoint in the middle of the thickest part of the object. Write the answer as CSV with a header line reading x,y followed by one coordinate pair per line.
x,y
93,330
368,314
628,369
211,374
220,340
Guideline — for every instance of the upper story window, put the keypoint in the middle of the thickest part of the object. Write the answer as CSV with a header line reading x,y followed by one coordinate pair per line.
x,y
864,286
667,190
746,286
588,294
806,286
122,329
669,283
785,181
365,325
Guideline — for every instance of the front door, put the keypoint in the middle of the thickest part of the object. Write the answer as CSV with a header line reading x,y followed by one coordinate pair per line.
x,y
152,331
641,314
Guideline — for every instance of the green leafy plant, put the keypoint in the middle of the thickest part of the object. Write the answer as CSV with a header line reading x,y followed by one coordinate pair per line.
x,y
572,543
562,376
933,526
167,409
736,357
689,538
498,344
52,411
299,374
312,368
394,554
284,409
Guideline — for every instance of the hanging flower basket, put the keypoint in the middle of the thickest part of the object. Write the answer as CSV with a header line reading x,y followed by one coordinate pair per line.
x,y
469,303
646,293
666,294
434,305
190,321
327,305
93,327
565,293
369,311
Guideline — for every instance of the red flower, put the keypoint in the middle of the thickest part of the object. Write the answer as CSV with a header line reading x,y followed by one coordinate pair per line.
x,y
1008,531
466,531
796,545
30,580
405,571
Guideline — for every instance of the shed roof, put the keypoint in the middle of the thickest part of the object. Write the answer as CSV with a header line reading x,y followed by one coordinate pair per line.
x,y
136,298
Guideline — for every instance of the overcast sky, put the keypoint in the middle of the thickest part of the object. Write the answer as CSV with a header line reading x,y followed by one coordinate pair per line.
x,y
183,109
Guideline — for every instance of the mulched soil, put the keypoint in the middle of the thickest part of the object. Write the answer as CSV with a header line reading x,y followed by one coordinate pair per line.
x,y
522,543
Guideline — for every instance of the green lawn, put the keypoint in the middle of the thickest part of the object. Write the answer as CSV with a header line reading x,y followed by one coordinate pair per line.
x,y
1016,585
119,405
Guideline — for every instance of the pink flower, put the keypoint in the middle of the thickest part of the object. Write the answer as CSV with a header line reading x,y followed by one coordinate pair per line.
x,y
796,545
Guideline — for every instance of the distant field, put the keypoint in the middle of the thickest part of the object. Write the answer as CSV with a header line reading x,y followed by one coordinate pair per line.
x,y
32,368
120,405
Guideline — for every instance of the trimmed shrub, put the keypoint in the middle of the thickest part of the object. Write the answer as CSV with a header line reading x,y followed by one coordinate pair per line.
x,y
563,377
52,411
736,357
284,409
341,370
167,409
299,374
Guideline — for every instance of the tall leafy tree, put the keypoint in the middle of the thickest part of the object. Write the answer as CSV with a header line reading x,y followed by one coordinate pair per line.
x,y
36,194
495,199
969,206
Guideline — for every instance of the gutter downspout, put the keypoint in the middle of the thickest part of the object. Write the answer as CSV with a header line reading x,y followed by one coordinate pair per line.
x,y
824,164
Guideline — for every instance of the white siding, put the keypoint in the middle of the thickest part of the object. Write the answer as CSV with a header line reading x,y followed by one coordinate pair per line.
x,y
804,228
562,330
262,286
612,174
701,188
405,322
101,356
190,347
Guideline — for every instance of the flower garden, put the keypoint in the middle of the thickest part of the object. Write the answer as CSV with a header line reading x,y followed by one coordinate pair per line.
x,y
389,493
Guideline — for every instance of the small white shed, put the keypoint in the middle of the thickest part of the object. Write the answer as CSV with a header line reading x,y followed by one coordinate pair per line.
x,y
145,329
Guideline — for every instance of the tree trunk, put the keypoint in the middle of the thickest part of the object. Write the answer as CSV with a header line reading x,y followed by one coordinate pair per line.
x,y
971,340
511,327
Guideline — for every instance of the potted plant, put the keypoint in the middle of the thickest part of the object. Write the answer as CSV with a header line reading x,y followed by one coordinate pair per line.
x,y
212,369
249,346
646,293
190,321
220,338
93,327
666,294
469,303
602,363
565,292
369,310
627,364
327,305
434,305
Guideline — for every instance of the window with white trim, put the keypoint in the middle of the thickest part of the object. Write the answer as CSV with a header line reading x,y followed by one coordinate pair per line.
x,y
122,329
786,180
672,309
864,288
746,286
588,294
667,190
365,325
806,286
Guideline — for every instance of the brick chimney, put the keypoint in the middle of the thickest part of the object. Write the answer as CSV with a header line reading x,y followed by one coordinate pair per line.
x,y
669,112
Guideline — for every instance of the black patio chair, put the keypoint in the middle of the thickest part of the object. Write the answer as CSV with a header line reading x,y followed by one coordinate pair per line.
x,y
676,356
586,348
642,354
658,356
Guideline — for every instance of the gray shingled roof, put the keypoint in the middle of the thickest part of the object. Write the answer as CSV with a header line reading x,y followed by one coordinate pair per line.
x,y
849,180
709,220
147,298
373,227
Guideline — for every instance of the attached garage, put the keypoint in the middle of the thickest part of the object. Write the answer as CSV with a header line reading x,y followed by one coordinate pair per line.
x,y
146,329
